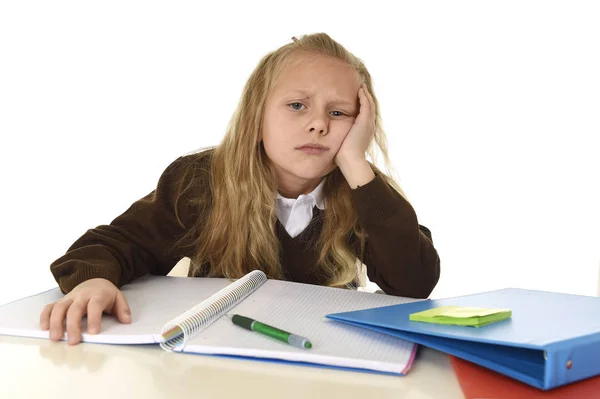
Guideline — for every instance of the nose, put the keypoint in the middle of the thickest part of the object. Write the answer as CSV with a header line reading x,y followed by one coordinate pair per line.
x,y
321,131
319,124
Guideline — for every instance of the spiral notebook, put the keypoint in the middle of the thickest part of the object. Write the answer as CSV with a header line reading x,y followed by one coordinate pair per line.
x,y
201,306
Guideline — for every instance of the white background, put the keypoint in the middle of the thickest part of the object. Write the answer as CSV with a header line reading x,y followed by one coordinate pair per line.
x,y
492,111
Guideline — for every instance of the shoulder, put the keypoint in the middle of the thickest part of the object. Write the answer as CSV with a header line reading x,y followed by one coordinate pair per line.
x,y
190,168
185,182
197,160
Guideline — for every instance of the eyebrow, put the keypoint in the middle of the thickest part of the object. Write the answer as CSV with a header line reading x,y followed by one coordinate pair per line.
x,y
336,101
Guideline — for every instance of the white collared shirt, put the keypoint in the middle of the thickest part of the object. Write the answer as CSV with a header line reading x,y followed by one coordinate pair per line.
x,y
295,214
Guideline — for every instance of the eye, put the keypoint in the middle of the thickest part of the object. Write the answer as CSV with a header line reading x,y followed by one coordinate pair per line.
x,y
297,107
292,105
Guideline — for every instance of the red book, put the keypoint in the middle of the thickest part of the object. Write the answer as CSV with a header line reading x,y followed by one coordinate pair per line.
x,y
478,382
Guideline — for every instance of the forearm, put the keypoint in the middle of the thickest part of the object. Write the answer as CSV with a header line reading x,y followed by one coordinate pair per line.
x,y
139,241
357,172
402,263
400,258
103,252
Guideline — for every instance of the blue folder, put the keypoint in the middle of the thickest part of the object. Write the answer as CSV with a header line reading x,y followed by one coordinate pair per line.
x,y
552,339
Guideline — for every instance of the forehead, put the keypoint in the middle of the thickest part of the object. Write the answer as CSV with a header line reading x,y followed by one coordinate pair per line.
x,y
311,72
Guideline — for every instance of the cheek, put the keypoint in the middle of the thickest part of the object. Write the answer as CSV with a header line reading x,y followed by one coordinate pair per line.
x,y
274,127
273,142
273,139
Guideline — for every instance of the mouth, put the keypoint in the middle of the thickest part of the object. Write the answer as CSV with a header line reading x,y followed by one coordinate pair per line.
x,y
313,149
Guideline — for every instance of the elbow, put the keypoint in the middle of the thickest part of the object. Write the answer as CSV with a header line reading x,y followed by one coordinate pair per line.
x,y
423,287
427,280
418,284
427,275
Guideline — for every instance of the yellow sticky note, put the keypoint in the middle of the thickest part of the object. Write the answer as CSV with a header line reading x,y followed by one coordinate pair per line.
x,y
462,316
457,311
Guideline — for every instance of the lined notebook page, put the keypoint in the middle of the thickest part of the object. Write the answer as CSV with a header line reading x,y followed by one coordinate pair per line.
x,y
298,308
301,309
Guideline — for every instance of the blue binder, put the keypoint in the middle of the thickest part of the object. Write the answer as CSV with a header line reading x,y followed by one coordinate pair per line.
x,y
552,339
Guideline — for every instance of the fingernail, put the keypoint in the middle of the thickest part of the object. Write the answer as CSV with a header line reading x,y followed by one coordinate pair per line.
x,y
72,339
54,335
93,330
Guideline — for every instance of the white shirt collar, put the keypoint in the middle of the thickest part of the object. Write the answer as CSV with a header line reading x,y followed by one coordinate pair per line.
x,y
295,214
316,194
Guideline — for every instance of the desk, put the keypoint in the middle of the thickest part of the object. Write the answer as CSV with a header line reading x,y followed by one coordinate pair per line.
x,y
37,368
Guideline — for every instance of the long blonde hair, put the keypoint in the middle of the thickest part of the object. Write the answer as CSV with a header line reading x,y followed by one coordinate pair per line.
x,y
236,232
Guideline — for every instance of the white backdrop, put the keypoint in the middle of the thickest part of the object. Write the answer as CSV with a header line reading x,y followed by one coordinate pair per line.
x,y
492,110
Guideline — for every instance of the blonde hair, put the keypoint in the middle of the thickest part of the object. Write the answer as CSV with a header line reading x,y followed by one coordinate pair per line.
x,y
236,231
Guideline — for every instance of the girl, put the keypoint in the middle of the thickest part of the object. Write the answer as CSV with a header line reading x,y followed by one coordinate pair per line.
x,y
289,191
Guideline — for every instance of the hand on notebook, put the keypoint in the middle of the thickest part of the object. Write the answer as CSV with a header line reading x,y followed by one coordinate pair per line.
x,y
92,297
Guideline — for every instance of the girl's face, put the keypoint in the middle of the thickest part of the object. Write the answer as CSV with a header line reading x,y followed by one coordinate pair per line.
x,y
307,115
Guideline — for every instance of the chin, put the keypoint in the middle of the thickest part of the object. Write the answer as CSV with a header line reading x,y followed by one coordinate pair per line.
x,y
304,168
312,173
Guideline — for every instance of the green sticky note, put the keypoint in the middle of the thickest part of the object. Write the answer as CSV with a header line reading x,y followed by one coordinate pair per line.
x,y
461,316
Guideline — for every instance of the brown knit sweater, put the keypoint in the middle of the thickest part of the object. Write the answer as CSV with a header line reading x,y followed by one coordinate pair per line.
x,y
399,253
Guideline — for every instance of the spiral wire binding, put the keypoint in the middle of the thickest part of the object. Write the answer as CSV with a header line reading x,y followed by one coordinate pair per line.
x,y
209,310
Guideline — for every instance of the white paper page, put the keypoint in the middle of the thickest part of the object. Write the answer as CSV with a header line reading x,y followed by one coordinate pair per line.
x,y
154,301
301,309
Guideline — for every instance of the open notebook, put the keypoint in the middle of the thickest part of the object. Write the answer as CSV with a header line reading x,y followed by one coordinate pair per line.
x,y
157,303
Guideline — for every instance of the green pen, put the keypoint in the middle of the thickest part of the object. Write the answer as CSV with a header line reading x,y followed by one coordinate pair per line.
x,y
253,325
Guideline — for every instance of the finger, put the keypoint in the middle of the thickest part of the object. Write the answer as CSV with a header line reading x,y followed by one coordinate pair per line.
x,y
362,101
371,103
369,97
94,314
365,103
45,316
121,309
362,93
57,318
74,316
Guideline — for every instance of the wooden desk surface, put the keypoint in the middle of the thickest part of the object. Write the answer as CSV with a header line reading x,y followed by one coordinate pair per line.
x,y
37,368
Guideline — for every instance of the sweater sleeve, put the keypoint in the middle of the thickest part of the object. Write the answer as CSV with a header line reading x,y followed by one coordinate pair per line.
x,y
399,253
137,242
